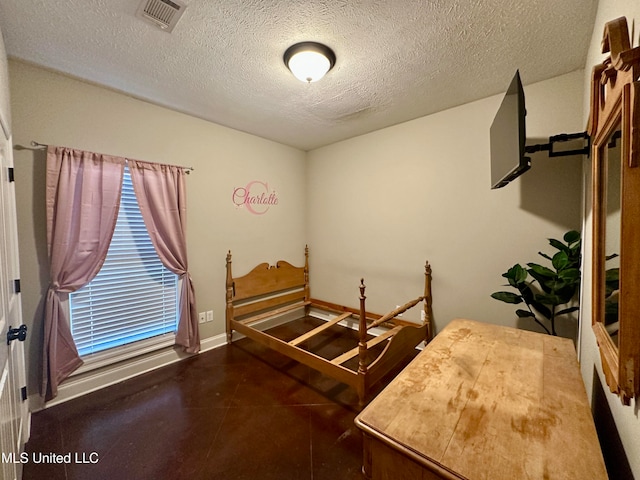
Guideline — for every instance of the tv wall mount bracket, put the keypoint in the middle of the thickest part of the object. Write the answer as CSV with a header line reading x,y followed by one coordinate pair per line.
x,y
563,137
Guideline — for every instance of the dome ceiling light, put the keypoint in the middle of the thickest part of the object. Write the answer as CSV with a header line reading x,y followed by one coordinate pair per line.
x,y
309,61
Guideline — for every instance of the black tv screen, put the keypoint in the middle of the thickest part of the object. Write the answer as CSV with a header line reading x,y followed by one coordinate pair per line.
x,y
508,137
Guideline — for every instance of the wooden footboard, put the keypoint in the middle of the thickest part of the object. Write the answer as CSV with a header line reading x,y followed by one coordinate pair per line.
x,y
271,291
396,351
402,339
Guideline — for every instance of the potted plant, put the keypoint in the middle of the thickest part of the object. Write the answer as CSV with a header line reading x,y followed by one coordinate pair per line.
x,y
550,289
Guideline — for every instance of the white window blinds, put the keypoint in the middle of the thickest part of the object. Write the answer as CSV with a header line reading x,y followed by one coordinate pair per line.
x,y
133,297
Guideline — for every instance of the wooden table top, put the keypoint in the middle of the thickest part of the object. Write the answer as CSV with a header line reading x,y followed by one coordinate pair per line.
x,y
489,402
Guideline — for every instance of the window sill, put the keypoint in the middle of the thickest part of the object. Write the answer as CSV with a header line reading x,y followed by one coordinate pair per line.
x,y
125,352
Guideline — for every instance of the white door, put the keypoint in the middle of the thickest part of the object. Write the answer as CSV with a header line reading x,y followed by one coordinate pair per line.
x,y
14,414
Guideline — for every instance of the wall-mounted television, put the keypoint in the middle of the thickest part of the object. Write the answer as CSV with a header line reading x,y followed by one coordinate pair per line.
x,y
508,137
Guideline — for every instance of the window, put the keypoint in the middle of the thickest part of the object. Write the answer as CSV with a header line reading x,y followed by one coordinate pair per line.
x,y
134,296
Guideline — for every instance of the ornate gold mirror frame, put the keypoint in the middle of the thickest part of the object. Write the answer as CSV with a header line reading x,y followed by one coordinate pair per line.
x,y
614,127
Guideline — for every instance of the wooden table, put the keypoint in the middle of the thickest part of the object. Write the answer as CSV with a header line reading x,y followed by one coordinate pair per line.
x,y
484,402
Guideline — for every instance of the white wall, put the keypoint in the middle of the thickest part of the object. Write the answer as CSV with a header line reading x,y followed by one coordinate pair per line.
x,y
5,112
383,203
55,109
625,417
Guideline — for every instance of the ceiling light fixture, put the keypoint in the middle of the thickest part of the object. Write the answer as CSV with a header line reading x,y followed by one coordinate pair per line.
x,y
309,61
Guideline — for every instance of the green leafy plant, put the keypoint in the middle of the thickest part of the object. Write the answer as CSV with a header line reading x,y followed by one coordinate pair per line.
x,y
611,290
550,288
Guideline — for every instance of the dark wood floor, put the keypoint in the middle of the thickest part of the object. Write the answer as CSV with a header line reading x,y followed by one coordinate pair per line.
x,y
236,412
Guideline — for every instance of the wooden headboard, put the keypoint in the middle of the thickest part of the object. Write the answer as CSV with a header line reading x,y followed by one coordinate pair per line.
x,y
267,288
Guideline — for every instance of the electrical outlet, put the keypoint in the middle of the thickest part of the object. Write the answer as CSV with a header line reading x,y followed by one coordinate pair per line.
x,y
201,317
209,315
423,315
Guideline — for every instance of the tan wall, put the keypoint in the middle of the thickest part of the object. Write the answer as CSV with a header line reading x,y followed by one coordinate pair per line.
x,y
54,109
606,405
382,203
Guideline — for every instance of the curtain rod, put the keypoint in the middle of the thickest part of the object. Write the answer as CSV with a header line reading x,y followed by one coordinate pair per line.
x,y
35,144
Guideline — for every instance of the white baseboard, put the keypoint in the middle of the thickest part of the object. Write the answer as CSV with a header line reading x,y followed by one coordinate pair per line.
x,y
95,380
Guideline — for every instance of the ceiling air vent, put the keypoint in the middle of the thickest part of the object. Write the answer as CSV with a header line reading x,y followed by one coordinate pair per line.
x,y
162,13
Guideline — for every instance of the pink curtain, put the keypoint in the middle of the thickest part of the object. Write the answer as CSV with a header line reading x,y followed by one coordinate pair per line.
x,y
160,191
83,197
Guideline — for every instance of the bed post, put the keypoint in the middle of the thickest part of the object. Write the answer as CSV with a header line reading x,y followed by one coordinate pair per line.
x,y
428,301
307,293
229,309
362,346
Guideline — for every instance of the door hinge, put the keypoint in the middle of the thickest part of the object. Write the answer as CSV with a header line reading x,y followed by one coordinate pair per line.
x,y
11,175
16,285
23,392
19,333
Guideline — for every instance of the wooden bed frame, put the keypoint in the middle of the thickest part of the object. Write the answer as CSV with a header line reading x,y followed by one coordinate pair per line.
x,y
268,292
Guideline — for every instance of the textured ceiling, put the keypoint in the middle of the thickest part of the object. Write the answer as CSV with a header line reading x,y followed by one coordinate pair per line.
x,y
396,60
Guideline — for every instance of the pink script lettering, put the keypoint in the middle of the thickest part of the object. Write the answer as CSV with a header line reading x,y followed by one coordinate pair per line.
x,y
255,196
